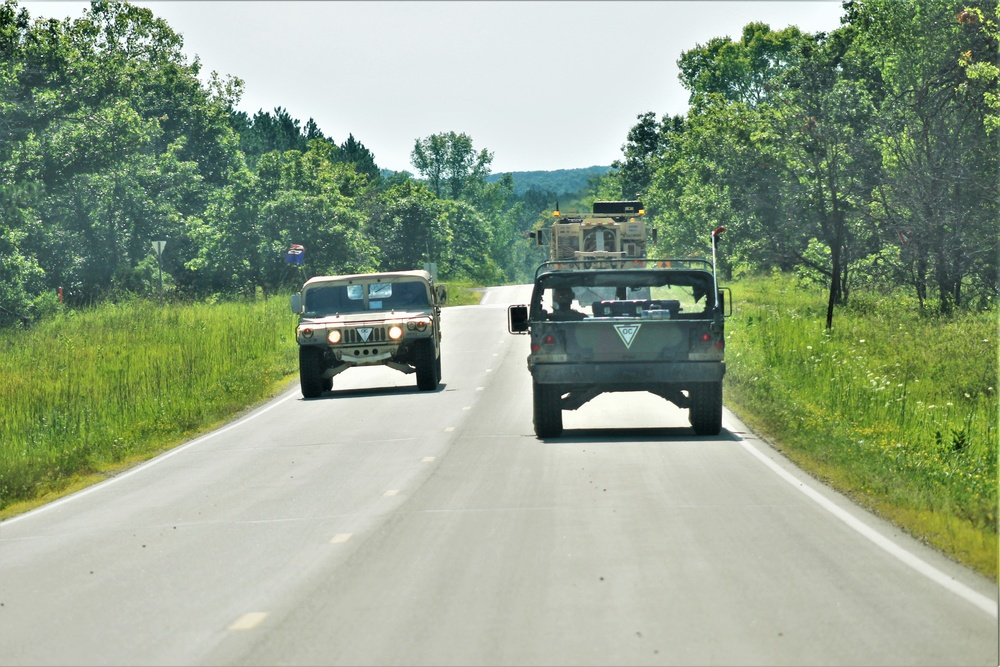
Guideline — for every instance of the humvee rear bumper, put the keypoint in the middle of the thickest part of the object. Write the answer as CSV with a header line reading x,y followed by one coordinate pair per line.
x,y
627,373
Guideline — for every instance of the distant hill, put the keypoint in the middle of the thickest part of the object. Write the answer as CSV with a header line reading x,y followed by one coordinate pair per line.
x,y
560,181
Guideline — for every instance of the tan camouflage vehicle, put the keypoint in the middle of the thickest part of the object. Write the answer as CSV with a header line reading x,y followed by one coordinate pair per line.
x,y
615,230
391,319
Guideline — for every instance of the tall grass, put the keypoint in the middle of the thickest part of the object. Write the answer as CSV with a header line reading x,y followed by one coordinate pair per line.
x,y
91,389
896,408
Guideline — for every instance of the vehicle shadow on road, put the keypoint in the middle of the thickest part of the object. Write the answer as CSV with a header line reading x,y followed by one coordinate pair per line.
x,y
667,434
373,391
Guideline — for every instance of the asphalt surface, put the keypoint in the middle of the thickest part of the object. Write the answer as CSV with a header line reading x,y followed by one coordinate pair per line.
x,y
382,525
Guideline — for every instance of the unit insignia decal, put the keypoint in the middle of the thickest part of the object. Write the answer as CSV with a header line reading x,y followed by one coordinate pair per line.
x,y
627,333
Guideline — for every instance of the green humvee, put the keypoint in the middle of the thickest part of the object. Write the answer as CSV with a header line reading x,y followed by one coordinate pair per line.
x,y
632,325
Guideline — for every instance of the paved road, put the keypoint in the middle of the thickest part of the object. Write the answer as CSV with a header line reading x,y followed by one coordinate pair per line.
x,y
382,525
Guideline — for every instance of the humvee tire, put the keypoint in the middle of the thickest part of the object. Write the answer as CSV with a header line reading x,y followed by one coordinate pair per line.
x,y
547,411
311,371
428,375
705,413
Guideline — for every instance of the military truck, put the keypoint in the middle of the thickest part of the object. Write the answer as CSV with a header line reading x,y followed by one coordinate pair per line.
x,y
391,319
615,230
653,325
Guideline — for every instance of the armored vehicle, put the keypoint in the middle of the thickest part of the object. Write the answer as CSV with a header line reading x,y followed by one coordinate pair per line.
x,y
656,326
389,319
614,230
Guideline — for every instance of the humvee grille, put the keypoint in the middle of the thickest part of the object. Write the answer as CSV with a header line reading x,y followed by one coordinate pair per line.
x,y
354,336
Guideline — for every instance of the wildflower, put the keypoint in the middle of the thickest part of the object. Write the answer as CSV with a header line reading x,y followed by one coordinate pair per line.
x,y
862,340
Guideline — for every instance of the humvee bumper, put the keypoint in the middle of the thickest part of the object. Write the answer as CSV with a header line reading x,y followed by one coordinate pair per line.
x,y
643,373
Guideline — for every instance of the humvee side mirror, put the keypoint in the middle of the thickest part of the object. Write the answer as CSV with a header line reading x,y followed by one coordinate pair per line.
x,y
517,319
725,305
297,303
441,292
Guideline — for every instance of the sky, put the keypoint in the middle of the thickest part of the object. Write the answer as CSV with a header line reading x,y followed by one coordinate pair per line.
x,y
540,85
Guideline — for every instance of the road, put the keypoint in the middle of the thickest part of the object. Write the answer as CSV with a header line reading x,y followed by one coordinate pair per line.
x,y
382,525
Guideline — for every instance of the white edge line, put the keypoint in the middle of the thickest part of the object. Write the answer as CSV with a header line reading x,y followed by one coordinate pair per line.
x,y
148,464
921,566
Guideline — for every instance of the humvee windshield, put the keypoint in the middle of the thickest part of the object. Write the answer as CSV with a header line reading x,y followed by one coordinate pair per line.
x,y
578,295
341,299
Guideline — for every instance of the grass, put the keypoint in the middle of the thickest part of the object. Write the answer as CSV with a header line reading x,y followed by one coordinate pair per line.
x,y
463,293
92,391
895,409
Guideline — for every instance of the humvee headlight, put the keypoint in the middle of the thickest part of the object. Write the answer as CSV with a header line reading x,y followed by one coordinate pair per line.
x,y
306,332
333,336
417,325
395,332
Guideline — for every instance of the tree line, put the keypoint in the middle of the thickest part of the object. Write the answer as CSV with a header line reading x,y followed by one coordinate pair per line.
x,y
111,140
864,158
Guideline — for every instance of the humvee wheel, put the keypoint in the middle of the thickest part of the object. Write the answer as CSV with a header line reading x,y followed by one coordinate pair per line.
x,y
327,384
311,371
428,375
546,399
705,413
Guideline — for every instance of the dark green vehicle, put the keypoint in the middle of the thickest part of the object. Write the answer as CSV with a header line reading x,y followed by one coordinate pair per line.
x,y
632,325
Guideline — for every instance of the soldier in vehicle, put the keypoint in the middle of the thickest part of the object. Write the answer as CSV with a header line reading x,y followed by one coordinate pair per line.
x,y
562,304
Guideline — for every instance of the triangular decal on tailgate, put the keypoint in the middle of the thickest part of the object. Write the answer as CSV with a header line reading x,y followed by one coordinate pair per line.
x,y
627,333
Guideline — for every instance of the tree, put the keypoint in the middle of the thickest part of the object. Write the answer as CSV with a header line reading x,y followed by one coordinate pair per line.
x,y
449,163
354,151
644,142
742,71
939,201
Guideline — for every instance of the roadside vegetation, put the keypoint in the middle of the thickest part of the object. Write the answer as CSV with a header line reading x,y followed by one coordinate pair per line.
x,y
91,391
86,393
895,408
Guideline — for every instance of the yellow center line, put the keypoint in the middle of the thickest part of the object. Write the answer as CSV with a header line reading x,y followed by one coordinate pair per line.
x,y
249,621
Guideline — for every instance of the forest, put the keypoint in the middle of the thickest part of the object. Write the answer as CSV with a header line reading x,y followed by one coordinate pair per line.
x,y
860,159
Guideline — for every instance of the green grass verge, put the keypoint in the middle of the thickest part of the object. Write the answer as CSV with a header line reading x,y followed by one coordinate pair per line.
x,y
895,409
463,293
90,392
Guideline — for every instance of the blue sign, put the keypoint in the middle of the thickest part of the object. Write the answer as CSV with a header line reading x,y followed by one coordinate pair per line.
x,y
296,254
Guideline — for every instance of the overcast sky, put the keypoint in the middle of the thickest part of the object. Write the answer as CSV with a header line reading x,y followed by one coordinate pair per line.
x,y
542,85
